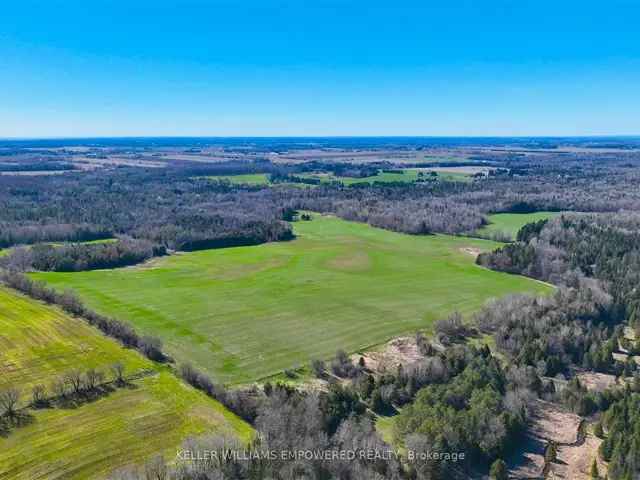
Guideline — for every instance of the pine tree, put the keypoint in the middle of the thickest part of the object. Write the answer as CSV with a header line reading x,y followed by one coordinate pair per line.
x,y
377,404
498,470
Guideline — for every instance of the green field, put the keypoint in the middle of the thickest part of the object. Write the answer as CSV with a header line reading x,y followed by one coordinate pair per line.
x,y
249,179
126,427
248,312
508,224
154,414
409,175
90,242
39,343
384,427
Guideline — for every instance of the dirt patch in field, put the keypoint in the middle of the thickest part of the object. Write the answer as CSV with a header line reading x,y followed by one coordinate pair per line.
x,y
353,261
244,270
401,350
473,251
150,264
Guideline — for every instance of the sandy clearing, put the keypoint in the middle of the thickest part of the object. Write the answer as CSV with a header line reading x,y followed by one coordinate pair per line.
x,y
471,251
597,382
401,350
574,461
549,422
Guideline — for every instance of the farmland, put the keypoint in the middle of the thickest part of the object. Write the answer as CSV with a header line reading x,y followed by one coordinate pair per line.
x,y
249,312
407,175
508,224
38,344
249,179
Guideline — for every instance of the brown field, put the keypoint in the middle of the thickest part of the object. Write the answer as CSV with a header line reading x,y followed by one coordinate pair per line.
x,y
116,161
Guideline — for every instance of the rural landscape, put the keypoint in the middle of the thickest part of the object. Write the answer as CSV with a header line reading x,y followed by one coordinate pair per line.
x,y
388,296
319,240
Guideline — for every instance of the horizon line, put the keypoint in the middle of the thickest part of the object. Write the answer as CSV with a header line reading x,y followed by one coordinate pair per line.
x,y
102,137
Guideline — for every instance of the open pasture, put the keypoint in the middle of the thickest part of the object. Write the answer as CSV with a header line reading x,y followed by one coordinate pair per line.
x,y
249,312
249,178
407,175
153,414
507,225
39,343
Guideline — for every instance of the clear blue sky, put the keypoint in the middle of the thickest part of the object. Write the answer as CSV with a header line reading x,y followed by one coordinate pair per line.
x,y
319,67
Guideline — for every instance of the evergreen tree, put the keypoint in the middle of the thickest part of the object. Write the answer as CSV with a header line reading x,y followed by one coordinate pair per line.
x,y
498,470
551,453
597,430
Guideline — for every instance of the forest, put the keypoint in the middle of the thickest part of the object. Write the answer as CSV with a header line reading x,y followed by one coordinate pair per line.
x,y
180,209
475,383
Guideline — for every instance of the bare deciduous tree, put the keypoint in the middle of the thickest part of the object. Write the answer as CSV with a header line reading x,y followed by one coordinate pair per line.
x,y
117,371
38,395
59,387
93,378
74,380
9,401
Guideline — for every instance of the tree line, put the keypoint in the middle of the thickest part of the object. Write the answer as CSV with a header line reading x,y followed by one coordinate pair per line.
x,y
150,346
78,256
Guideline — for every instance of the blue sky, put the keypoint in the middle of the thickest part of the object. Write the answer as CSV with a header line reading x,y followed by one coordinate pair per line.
x,y
319,67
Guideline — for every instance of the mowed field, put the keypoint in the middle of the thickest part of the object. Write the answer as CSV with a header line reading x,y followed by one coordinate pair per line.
x,y
154,414
510,223
249,312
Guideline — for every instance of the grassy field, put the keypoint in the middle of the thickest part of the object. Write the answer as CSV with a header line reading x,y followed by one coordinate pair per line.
x,y
384,427
409,175
39,343
126,427
509,223
152,415
90,242
250,178
248,312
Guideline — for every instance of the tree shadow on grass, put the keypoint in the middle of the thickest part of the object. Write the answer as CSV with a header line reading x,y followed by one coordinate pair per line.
x,y
76,400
